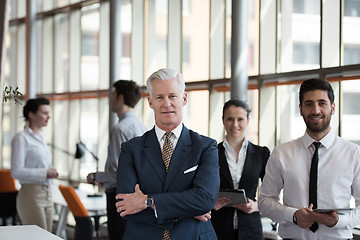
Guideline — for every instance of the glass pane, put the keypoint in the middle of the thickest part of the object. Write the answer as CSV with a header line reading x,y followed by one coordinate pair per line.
x,y
350,110
253,127
90,22
89,119
12,122
62,3
299,35
196,25
21,8
13,8
61,53
195,115
60,119
289,121
158,35
20,66
126,29
351,32
47,56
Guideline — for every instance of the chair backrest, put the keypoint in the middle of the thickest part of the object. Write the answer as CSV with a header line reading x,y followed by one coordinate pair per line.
x,y
7,183
73,201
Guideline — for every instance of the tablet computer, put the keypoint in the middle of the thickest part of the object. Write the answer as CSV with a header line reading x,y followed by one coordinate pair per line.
x,y
234,195
340,211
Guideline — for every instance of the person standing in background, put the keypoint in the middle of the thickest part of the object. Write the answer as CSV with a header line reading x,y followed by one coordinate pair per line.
x,y
242,164
31,161
125,96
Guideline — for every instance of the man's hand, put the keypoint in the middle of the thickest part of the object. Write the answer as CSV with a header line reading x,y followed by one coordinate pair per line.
x,y
304,217
131,203
90,178
221,202
327,219
205,217
248,208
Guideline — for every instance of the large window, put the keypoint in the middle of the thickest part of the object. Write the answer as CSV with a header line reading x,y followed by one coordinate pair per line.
x,y
351,32
193,36
299,35
351,110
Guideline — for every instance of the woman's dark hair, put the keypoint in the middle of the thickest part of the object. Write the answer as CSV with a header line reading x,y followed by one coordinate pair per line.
x,y
130,90
237,103
32,105
316,84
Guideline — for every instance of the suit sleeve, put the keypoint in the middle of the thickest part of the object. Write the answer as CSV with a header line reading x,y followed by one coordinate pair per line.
x,y
200,198
127,178
185,203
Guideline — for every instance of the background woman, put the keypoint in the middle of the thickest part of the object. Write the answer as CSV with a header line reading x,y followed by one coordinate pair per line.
x,y
31,165
241,165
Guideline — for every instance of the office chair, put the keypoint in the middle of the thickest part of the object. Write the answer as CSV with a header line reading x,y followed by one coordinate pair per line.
x,y
84,226
8,193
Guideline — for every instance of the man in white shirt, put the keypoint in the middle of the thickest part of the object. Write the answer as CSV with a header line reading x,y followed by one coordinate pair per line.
x,y
125,95
338,174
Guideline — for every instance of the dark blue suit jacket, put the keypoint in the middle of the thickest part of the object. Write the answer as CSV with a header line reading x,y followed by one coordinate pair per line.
x,y
249,225
180,194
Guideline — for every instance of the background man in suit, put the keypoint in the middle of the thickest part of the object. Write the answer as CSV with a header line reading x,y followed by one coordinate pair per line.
x,y
126,94
167,198
241,165
336,165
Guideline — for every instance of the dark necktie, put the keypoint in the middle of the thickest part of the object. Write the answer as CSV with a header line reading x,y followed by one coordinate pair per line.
x,y
167,152
313,182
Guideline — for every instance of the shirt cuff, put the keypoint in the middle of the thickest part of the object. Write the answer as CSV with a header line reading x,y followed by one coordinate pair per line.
x,y
289,213
342,222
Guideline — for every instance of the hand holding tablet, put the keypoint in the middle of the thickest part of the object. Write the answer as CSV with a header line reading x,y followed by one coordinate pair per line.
x,y
234,195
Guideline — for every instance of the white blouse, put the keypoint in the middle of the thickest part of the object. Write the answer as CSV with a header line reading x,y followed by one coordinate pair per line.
x,y
30,158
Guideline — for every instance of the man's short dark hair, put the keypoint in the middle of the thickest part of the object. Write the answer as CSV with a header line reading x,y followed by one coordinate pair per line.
x,y
316,84
237,103
130,90
32,105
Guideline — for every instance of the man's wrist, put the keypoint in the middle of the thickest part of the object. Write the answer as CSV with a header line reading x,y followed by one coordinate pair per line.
x,y
149,202
295,219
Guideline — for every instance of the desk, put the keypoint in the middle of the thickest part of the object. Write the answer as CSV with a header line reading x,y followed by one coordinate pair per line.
x,y
26,232
96,207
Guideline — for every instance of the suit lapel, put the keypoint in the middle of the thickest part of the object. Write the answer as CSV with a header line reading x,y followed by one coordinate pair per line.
x,y
179,157
224,167
152,152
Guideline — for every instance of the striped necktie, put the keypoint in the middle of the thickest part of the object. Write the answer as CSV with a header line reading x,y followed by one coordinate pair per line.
x,y
167,152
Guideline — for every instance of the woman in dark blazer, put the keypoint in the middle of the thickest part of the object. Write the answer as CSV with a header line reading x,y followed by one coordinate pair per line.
x,y
241,165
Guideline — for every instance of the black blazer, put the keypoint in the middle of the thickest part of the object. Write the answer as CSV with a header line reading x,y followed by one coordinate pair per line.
x,y
249,225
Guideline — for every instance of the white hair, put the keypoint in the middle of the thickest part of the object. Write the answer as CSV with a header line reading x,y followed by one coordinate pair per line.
x,y
165,74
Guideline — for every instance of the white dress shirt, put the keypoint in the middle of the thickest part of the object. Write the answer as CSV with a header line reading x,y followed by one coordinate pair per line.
x,y
30,158
173,139
235,167
288,169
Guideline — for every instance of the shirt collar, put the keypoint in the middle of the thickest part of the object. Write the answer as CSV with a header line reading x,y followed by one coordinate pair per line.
x,y
326,141
160,133
126,114
227,145
39,137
